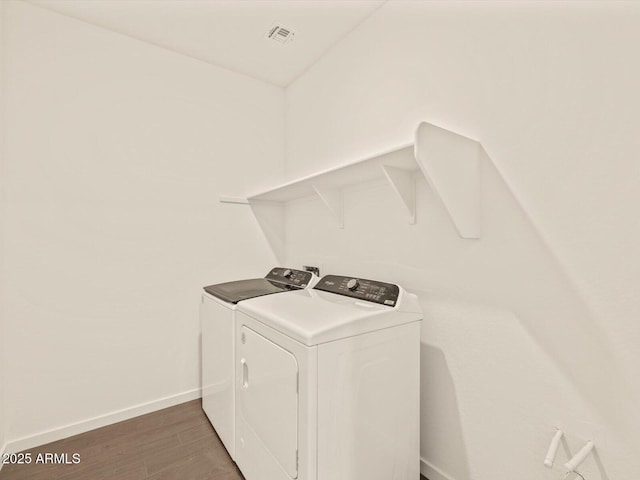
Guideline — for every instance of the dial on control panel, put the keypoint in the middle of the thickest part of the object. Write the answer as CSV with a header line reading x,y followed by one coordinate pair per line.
x,y
353,284
289,276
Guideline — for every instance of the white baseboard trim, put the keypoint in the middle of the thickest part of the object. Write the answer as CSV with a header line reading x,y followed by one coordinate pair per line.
x,y
59,433
2,450
432,472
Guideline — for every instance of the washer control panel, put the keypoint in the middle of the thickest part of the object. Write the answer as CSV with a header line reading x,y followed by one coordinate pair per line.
x,y
360,288
296,278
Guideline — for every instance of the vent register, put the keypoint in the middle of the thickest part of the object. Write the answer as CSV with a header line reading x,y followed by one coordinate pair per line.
x,y
280,33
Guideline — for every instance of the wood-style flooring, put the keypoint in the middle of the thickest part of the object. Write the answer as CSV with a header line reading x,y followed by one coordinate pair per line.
x,y
176,443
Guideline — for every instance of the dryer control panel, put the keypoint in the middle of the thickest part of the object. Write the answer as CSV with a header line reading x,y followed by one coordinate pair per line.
x,y
360,288
290,276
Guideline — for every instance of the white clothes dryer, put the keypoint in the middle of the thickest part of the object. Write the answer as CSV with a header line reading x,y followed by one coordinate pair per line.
x,y
217,319
327,383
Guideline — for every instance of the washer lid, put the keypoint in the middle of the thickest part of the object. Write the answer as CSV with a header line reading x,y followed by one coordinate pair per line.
x,y
277,280
313,316
234,292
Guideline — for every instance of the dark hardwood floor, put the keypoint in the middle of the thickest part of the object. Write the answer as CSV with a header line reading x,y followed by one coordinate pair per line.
x,y
176,443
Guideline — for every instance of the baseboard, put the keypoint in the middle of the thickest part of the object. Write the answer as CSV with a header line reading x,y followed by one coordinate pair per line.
x,y
2,450
431,472
52,435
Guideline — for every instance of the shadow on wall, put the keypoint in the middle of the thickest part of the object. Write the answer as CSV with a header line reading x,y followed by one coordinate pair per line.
x,y
512,266
550,307
441,440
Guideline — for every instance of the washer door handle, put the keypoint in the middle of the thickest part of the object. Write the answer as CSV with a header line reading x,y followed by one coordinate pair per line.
x,y
245,373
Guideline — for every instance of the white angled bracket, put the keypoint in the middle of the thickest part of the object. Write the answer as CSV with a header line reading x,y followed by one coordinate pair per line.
x,y
553,449
333,200
579,457
234,199
403,183
270,217
451,164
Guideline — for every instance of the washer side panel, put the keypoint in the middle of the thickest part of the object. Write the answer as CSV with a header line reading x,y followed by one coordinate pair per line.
x,y
218,395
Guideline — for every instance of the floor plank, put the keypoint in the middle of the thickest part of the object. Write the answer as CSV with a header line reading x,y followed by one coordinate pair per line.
x,y
177,443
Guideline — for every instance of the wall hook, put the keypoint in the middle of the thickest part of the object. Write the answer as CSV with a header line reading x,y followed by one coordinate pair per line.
x,y
553,448
579,457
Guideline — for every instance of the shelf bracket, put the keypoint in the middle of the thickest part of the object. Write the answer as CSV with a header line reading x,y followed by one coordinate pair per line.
x,y
451,165
233,199
270,217
403,183
334,201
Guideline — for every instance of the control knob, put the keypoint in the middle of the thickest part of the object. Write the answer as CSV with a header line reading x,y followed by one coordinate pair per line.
x,y
287,273
353,284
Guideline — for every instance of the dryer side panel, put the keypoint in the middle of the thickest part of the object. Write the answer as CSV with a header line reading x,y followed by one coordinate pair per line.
x,y
369,406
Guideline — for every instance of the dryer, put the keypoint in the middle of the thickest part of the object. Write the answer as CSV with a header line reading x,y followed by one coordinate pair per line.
x,y
327,383
217,320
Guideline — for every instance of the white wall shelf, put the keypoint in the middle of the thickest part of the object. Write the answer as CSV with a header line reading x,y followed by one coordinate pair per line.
x,y
450,163
338,178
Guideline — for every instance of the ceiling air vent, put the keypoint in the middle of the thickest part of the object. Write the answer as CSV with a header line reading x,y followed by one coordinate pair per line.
x,y
280,33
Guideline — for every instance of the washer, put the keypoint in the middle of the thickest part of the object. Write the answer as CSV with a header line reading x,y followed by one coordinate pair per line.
x,y
328,383
217,317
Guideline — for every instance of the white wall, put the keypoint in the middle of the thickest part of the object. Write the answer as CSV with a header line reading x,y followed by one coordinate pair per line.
x,y
534,325
116,154
2,155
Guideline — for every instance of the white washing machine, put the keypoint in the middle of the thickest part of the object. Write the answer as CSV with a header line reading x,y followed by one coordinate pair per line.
x,y
328,383
217,318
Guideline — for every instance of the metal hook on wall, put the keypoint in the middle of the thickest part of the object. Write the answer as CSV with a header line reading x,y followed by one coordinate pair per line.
x,y
566,475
